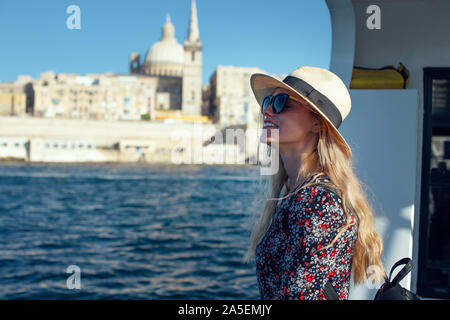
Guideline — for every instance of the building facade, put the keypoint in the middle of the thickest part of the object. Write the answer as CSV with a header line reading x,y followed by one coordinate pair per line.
x,y
167,84
177,68
96,96
231,98
16,98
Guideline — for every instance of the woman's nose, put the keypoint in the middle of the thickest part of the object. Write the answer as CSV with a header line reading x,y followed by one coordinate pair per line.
x,y
268,111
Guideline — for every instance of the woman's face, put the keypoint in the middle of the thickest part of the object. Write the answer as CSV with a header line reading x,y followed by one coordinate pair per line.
x,y
297,125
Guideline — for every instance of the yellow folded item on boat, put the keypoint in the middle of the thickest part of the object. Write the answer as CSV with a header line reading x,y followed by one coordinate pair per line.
x,y
384,78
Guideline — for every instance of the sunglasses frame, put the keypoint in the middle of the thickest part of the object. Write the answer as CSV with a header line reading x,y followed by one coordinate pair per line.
x,y
284,106
276,107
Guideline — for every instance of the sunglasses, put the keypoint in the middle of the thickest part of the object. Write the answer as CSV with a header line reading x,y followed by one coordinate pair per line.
x,y
278,102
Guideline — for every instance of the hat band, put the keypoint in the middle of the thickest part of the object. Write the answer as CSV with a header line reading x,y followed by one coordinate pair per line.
x,y
321,101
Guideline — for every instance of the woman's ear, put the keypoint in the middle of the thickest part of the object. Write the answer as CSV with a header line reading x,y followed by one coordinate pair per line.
x,y
317,124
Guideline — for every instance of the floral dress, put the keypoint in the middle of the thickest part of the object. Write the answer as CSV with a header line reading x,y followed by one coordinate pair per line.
x,y
289,262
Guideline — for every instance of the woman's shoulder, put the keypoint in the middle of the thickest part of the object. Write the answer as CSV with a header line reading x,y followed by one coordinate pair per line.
x,y
319,203
319,185
321,196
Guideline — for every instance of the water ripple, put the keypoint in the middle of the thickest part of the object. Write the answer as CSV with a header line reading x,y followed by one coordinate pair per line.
x,y
136,232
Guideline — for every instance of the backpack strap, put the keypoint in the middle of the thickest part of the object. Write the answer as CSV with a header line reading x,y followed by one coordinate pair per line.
x,y
403,272
322,181
329,292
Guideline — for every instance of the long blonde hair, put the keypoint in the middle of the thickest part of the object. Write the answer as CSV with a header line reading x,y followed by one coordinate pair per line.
x,y
334,159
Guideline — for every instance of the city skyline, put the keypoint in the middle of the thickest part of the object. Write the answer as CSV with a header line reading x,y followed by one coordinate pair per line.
x,y
110,31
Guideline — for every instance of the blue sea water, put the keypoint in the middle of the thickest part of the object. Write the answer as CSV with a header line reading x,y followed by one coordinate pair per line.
x,y
135,231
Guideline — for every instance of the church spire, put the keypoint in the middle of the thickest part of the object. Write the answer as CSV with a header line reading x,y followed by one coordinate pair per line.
x,y
168,30
193,36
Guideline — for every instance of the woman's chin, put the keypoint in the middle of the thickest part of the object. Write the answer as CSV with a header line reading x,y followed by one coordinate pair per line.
x,y
271,141
270,136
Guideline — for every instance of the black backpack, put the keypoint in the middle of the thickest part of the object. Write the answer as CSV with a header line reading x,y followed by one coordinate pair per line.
x,y
390,290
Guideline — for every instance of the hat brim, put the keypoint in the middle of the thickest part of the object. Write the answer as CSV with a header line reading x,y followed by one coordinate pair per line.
x,y
263,85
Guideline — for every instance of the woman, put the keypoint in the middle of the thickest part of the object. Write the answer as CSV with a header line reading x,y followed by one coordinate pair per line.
x,y
322,230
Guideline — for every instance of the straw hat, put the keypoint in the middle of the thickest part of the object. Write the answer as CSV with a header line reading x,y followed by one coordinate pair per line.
x,y
321,88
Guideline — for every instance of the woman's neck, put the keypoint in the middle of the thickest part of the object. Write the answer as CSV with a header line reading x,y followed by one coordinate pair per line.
x,y
293,159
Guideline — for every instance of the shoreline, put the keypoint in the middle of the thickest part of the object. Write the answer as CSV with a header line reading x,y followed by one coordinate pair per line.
x,y
144,164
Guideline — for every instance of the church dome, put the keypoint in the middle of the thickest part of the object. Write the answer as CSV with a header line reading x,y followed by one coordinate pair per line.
x,y
167,50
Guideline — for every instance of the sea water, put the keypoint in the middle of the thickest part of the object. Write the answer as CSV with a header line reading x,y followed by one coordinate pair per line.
x,y
133,231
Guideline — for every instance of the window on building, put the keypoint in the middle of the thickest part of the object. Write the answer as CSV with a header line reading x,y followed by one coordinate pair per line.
x,y
193,56
434,241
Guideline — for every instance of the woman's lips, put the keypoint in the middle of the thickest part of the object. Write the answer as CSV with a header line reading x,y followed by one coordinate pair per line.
x,y
270,126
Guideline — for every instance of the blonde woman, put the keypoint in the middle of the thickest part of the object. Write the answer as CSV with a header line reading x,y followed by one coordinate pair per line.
x,y
322,229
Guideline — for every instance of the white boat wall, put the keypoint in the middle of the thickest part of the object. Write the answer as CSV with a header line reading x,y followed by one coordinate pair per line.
x,y
386,128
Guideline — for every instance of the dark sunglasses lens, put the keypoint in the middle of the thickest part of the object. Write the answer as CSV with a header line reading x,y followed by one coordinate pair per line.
x,y
279,102
265,102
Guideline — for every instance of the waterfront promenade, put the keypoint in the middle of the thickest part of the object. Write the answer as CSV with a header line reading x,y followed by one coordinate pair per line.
x,y
71,140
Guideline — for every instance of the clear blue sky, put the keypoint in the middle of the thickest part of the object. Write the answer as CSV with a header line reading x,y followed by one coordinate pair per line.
x,y
276,36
